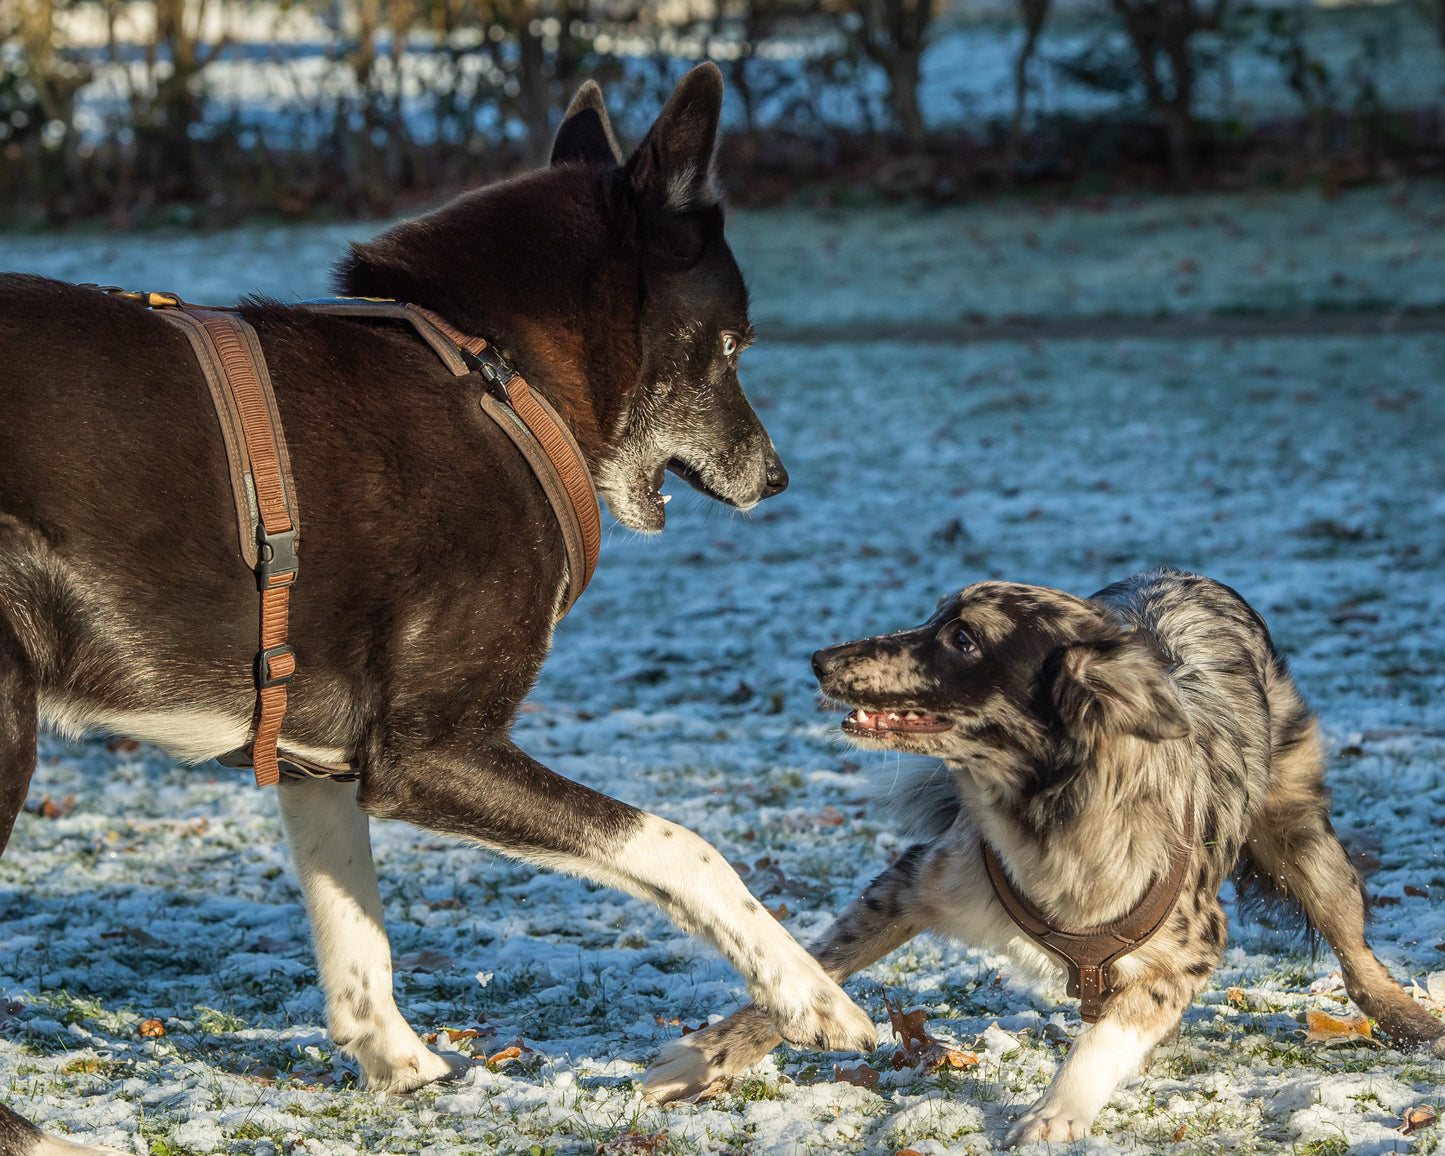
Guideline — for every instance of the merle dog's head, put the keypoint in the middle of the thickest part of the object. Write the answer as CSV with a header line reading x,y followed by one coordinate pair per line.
x,y
1000,668
608,281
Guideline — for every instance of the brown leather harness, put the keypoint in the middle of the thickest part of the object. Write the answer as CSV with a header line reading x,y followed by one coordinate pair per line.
x,y
1089,954
231,360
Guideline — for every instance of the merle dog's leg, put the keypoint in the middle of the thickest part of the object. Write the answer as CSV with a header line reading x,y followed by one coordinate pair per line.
x,y
507,801
332,850
1156,985
18,724
1294,845
889,913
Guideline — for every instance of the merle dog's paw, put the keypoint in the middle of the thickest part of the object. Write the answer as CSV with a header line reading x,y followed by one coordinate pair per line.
x,y
1057,1125
689,1066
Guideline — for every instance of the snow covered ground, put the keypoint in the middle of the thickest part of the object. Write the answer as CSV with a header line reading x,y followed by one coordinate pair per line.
x,y
1305,472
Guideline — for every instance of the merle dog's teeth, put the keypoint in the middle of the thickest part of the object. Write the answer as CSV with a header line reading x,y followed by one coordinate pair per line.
x,y
666,498
910,714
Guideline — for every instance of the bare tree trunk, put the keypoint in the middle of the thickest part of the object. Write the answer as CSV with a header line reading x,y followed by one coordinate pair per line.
x,y
1035,12
895,33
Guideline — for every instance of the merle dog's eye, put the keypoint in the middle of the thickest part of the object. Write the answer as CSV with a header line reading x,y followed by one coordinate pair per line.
x,y
730,344
957,637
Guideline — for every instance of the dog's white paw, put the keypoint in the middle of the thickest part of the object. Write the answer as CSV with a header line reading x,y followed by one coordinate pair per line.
x,y
409,1068
815,1012
1058,1125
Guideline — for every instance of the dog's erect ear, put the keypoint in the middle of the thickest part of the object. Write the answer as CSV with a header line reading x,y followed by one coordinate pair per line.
x,y
673,166
585,135
1117,687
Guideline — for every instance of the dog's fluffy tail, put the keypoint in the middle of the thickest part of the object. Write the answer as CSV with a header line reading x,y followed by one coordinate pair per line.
x,y
918,795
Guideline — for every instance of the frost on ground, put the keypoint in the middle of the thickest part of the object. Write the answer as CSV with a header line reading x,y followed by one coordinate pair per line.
x,y
1264,252
1306,473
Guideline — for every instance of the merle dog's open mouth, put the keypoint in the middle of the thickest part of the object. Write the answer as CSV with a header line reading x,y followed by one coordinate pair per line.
x,y
873,722
691,476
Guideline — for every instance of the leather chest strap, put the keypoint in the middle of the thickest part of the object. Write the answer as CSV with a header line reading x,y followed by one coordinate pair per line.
x,y
235,370
1089,953
560,467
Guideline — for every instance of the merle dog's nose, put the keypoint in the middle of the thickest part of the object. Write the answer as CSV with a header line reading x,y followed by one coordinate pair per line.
x,y
777,478
827,660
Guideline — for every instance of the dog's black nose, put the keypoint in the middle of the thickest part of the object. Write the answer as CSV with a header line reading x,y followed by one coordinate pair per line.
x,y
825,661
777,479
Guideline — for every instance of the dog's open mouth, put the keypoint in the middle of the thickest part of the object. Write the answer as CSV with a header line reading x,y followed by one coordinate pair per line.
x,y
873,722
694,479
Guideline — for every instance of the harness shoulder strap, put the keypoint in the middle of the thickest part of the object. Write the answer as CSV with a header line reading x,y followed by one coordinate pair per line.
x,y
1089,953
231,360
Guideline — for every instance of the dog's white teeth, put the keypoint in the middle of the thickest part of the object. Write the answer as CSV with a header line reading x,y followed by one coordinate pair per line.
x,y
861,717
892,716
666,498
910,714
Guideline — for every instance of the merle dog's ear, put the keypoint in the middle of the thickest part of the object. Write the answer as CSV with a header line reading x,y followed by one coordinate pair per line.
x,y
1117,687
673,166
585,135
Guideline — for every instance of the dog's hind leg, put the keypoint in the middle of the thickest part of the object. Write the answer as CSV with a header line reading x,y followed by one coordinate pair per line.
x,y
18,725
331,847
887,915
1294,847
503,799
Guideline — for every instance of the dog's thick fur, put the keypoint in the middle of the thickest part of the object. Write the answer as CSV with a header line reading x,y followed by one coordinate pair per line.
x,y
431,564
1075,735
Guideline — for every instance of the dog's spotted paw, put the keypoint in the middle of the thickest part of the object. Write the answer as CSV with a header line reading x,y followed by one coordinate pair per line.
x,y
406,1073
1056,1125
821,1016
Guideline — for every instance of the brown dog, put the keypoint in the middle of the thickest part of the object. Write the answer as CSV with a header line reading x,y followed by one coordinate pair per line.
x,y
431,563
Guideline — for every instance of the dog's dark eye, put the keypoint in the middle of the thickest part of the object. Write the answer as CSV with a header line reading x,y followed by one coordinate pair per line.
x,y
957,637
730,344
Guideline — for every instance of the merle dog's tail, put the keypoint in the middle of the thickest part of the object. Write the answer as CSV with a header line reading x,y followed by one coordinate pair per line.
x,y
919,796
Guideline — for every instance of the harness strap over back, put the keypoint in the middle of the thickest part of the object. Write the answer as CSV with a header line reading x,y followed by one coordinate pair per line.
x,y
231,360
235,370
1089,954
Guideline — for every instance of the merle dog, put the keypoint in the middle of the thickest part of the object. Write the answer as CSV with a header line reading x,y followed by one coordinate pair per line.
x,y
433,564
1075,736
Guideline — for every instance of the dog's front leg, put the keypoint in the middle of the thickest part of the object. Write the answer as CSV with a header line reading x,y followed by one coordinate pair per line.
x,y
1135,1020
332,851
889,913
495,794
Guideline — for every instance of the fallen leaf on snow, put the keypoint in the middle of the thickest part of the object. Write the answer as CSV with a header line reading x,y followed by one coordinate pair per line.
x,y
861,1076
1235,997
780,912
48,808
630,1142
908,1026
908,1152
1322,1028
425,960
1417,892
1179,1133
151,1029
1422,1116
515,1051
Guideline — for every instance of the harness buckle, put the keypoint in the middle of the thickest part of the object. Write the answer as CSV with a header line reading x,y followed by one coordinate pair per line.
x,y
496,371
275,557
265,677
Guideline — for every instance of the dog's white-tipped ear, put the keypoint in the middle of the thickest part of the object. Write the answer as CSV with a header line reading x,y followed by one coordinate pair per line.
x,y
585,135
1117,687
674,163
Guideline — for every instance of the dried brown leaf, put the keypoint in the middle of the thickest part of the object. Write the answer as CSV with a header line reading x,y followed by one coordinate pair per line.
x,y
861,1076
1179,1133
425,960
151,1029
632,1142
1420,1116
1322,1028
